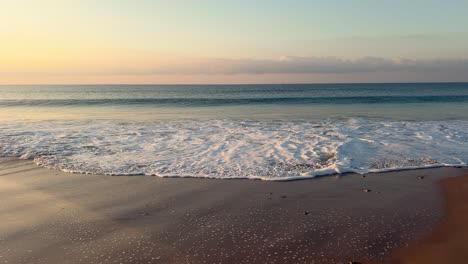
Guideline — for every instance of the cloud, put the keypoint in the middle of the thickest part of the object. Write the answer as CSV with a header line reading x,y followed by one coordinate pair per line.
x,y
300,65
287,65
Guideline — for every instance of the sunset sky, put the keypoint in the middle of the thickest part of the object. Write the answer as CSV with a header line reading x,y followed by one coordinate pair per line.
x,y
130,41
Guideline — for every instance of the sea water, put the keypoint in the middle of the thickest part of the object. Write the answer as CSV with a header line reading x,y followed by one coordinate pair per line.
x,y
269,132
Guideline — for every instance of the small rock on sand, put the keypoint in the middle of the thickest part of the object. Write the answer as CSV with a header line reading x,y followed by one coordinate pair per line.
x,y
366,190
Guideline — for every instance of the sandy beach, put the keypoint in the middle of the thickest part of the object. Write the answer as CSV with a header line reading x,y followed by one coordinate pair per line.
x,y
50,216
232,132
447,243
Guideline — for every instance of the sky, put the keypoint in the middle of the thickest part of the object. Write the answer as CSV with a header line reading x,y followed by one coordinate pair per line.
x,y
189,41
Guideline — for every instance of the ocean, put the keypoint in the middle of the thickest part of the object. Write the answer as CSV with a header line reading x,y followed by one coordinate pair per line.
x,y
269,132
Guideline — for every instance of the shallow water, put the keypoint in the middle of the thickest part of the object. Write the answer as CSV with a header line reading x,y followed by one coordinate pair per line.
x,y
271,132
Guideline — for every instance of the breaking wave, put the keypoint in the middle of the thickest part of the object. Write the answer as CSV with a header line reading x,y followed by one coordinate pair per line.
x,y
227,149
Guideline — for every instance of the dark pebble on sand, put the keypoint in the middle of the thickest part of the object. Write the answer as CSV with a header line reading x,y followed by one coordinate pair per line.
x,y
421,177
306,213
283,196
366,190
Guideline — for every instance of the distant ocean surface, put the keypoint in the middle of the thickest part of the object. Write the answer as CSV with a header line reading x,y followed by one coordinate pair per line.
x,y
269,132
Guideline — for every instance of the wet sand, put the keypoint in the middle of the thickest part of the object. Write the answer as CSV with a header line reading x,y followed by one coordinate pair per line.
x,y
53,217
448,243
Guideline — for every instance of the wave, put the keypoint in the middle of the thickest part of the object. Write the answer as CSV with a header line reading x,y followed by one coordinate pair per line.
x,y
227,149
237,101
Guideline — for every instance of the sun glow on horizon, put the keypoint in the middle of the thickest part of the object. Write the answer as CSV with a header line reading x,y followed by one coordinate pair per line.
x,y
122,41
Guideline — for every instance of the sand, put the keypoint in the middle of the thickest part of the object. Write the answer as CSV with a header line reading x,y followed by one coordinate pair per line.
x,y
50,216
448,243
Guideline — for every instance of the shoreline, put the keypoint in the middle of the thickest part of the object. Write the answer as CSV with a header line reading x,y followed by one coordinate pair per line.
x,y
57,217
262,178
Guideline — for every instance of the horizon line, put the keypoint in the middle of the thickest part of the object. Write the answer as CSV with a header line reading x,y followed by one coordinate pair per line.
x,y
233,84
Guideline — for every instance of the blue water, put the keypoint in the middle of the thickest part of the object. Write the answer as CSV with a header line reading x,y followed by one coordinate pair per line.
x,y
398,101
270,132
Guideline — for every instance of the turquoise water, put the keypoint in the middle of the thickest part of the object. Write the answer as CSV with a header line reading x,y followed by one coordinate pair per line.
x,y
270,132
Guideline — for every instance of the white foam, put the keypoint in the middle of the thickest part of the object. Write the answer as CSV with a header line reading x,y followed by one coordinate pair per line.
x,y
226,149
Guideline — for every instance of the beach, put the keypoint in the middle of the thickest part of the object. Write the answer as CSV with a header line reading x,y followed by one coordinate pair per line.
x,y
294,173
447,243
397,217
209,132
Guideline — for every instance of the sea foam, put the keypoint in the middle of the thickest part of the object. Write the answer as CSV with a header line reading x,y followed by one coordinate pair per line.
x,y
227,149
